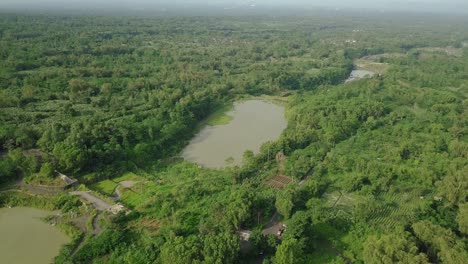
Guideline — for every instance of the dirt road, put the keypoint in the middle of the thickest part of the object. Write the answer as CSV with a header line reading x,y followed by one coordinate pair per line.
x,y
98,203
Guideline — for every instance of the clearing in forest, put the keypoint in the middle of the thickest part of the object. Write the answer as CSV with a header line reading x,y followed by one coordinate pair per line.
x,y
367,65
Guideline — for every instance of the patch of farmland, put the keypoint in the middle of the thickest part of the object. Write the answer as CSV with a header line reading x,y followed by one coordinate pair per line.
x,y
397,209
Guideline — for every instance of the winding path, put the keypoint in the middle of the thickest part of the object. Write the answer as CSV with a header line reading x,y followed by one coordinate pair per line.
x,y
98,203
124,184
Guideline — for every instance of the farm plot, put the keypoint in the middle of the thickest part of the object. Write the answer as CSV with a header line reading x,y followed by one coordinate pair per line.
x,y
398,209
279,181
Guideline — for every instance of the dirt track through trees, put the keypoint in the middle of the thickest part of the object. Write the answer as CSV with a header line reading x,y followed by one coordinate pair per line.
x,y
98,203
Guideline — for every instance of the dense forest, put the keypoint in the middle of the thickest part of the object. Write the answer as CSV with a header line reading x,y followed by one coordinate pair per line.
x,y
383,160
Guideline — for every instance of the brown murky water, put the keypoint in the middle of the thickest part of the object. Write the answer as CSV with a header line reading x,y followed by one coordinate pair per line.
x,y
25,238
254,123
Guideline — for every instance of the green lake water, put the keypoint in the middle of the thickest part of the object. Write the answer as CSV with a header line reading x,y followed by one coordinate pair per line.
x,y
253,123
26,238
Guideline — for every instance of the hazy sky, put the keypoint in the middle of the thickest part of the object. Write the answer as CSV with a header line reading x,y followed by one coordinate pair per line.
x,y
459,6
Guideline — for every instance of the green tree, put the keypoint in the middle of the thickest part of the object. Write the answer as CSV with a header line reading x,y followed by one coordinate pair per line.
x,y
462,218
285,203
454,186
239,208
220,248
289,252
392,248
180,250
442,241
47,169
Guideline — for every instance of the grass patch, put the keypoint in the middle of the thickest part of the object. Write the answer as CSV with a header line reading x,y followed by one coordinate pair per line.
x,y
38,179
344,201
23,199
106,187
220,116
378,68
129,176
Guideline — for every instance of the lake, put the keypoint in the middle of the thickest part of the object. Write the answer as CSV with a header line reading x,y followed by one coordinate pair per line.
x,y
360,74
253,123
25,238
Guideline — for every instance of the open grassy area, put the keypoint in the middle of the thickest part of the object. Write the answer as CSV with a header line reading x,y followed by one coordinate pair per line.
x,y
106,186
343,200
129,176
379,68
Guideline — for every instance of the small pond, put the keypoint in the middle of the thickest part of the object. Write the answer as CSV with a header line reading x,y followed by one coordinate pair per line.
x,y
253,123
26,238
360,74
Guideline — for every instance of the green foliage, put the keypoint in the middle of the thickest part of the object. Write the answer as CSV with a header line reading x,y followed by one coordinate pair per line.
x,y
100,245
67,202
289,252
462,218
263,244
47,170
442,243
107,186
284,203
220,248
105,99
454,186
181,250
62,201
392,248
9,166
17,199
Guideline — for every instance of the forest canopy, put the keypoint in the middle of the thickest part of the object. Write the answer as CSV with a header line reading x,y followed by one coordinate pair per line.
x,y
378,166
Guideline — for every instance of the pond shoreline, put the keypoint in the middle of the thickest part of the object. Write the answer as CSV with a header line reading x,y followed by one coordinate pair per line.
x,y
253,121
28,233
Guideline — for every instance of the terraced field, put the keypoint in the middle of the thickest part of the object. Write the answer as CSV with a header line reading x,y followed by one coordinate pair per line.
x,y
397,209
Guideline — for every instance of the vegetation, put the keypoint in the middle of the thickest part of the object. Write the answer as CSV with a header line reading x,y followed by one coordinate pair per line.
x,y
108,99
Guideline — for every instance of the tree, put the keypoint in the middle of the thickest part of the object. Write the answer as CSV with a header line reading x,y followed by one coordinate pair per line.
x,y
392,248
299,226
221,248
263,244
69,157
47,170
239,208
441,241
284,202
180,250
289,252
454,186
27,93
462,218
106,88
7,169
